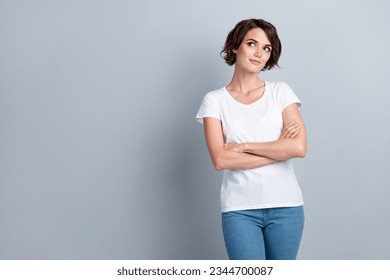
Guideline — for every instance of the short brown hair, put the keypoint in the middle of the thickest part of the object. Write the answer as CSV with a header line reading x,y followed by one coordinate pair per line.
x,y
237,34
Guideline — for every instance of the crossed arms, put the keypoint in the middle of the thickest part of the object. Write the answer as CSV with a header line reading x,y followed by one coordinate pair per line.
x,y
291,144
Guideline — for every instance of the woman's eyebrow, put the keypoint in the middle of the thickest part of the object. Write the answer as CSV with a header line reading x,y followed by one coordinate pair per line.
x,y
250,39
266,45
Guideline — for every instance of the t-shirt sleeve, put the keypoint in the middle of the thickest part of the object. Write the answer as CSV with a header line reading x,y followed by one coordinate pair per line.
x,y
208,108
288,97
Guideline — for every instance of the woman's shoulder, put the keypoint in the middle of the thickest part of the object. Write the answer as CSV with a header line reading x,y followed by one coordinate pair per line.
x,y
215,94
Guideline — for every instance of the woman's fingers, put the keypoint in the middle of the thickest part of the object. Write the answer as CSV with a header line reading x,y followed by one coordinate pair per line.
x,y
291,130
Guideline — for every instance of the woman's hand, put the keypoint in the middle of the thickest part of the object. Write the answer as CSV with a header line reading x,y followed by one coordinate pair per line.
x,y
291,130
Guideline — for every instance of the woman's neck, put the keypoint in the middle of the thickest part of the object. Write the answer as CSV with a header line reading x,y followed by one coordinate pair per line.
x,y
244,83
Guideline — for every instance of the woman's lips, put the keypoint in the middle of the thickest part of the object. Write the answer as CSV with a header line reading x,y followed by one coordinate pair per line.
x,y
255,62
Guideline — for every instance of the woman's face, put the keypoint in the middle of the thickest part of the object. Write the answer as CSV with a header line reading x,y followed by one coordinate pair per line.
x,y
254,51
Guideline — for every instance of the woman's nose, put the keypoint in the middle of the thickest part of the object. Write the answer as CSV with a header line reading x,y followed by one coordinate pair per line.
x,y
258,52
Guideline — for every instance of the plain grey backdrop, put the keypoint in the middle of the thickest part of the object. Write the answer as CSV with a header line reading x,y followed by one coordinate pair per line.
x,y
100,155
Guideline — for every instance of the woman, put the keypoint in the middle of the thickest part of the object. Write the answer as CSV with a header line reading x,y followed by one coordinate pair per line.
x,y
253,129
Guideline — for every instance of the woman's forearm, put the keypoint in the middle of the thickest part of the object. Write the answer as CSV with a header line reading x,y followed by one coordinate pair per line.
x,y
233,160
281,149
291,144
223,158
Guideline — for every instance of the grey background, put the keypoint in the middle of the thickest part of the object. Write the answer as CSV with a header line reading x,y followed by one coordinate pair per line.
x,y
100,155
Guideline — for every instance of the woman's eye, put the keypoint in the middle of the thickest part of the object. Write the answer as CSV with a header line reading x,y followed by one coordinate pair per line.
x,y
267,49
251,44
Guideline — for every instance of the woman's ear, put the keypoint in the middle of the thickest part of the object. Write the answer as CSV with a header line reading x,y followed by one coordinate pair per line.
x,y
234,51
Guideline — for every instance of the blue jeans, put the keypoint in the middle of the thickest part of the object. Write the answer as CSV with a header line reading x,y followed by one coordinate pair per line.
x,y
263,234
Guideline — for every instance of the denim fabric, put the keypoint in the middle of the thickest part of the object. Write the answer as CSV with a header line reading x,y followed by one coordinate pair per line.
x,y
263,234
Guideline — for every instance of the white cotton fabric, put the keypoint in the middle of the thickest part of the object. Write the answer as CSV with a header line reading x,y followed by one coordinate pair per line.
x,y
270,186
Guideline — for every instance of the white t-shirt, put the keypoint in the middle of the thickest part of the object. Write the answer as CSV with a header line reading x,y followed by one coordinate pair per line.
x,y
273,185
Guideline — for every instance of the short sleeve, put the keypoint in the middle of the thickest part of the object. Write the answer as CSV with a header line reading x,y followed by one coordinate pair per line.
x,y
288,96
209,107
